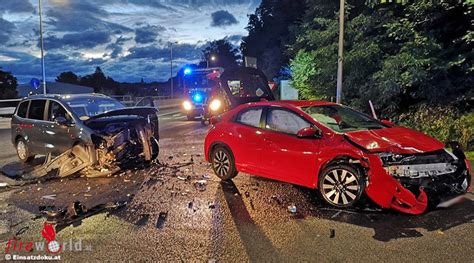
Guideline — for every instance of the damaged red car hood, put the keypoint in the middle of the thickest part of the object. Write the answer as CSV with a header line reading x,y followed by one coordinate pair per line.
x,y
397,140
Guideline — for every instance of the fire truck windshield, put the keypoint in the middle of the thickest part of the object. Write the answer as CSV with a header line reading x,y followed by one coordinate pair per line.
x,y
198,81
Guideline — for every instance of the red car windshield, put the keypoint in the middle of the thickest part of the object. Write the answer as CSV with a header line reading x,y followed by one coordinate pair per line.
x,y
342,119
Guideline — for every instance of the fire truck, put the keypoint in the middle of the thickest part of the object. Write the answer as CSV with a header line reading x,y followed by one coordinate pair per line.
x,y
210,92
198,87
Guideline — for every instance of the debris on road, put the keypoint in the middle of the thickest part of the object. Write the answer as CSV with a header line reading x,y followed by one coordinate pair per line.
x,y
49,197
75,212
277,199
251,204
332,233
182,178
21,231
201,185
212,205
161,219
143,220
3,185
75,209
336,214
292,209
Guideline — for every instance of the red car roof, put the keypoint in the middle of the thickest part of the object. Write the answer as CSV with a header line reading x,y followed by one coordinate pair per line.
x,y
295,103
306,103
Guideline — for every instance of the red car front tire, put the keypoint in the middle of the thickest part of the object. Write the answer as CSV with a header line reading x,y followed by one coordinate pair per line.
x,y
340,185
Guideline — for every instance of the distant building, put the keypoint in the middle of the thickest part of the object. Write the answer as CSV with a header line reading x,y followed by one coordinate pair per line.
x,y
25,90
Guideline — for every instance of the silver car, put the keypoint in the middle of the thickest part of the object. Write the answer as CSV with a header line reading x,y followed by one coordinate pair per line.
x,y
89,132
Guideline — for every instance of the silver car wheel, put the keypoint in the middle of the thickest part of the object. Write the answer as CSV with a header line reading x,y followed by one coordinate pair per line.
x,y
221,163
21,150
340,187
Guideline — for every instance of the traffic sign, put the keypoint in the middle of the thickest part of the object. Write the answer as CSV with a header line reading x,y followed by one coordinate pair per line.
x,y
35,83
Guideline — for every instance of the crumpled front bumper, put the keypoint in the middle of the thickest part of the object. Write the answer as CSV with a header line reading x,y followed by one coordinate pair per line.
x,y
388,192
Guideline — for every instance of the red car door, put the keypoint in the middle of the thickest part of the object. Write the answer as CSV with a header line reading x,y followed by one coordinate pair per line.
x,y
247,140
287,157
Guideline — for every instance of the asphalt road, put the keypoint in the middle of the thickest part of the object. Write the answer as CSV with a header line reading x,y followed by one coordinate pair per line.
x,y
170,216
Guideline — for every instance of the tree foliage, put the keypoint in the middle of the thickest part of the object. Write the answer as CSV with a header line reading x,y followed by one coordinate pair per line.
x,y
97,80
8,85
226,55
68,77
395,55
269,33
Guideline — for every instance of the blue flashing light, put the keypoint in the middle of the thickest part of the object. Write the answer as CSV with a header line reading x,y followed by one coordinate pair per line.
x,y
187,71
197,97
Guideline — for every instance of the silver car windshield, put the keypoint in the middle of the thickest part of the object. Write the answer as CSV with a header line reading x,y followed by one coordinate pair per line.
x,y
89,107
342,119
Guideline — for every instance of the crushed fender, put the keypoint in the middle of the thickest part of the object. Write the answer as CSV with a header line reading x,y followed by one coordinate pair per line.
x,y
111,149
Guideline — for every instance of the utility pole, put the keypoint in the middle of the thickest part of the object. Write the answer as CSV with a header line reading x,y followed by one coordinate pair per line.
x,y
42,47
171,68
340,56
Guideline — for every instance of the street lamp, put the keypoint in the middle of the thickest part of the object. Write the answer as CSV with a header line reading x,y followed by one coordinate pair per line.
x,y
171,66
212,58
340,56
42,47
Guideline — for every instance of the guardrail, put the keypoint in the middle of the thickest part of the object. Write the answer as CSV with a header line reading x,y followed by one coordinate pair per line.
x,y
7,106
129,100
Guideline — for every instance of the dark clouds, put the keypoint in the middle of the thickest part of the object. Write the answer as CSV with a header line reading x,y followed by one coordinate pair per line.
x,y
128,39
117,46
201,3
80,16
16,6
223,18
180,51
87,39
6,28
147,34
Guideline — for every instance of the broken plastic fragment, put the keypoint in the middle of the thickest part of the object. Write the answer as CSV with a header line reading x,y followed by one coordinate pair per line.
x,y
212,205
49,197
292,209
201,185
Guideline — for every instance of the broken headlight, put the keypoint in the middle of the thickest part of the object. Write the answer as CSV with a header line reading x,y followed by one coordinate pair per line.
x,y
419,165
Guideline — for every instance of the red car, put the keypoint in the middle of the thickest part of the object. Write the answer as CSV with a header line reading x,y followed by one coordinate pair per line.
x,y
339,151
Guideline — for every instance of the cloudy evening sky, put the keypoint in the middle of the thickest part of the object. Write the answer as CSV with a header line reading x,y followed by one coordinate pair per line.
x,y
128,39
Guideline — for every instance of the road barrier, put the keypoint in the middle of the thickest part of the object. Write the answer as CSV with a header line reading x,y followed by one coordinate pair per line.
x,y
7,107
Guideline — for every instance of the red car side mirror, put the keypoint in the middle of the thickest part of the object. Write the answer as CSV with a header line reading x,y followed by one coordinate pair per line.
x,y
387,122
309,132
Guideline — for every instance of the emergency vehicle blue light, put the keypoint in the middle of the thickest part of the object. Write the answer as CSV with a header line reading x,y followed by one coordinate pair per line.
x,y
197,97
187,71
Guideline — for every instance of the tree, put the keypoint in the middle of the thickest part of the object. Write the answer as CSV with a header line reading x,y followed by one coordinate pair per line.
x,y
68,77
8,85
395,55
225,54
100,82
269,33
